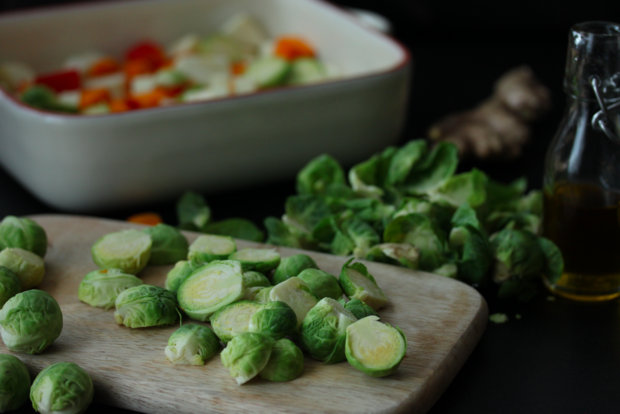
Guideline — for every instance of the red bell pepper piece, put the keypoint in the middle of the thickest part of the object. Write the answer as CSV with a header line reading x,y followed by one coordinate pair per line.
x,y
66,80
147,50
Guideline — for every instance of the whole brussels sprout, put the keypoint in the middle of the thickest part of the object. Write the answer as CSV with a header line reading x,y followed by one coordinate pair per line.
x,y
169,245
285,363
359,308
246,355
321,283
209,247
262,296
192,345
145,305
63,387
358,283
233,319
27,266
23,233
260,260
14,383
101,287
255,279
292,266
9,285
128,250
179,273
324,329
276,319
30,321
295,293
375,348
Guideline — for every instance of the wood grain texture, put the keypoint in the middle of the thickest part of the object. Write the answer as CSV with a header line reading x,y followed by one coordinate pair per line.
x,y
443,320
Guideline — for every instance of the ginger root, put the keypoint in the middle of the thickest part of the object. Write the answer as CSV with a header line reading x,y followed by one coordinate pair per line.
x,y
499,126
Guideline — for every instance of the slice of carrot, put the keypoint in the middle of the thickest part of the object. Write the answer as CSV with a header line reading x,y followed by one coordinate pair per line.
x,y
91,97
150,219
119,105
291,48
238,68
104,66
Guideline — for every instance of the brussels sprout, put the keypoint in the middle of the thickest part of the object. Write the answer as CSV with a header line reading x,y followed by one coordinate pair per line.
x,y
554,263
246,355
323,331
210,288
321,283
305,212
179,273
475,255
27,266
9,285
169,245
404,160
359,308
193,212
449,270
292,266
23,233
263,295
276,319
295,293
14,383
63,387
233,319
318,174
375,348
260,260
238,228
30,321
191,345
251,293
469,187
361,234
358,283
286,362
368,177
128,250
433,170
101,287
146,305
518,255
255,279
209,247
402,254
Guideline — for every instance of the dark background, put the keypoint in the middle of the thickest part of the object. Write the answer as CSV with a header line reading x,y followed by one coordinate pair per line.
x,y
561,356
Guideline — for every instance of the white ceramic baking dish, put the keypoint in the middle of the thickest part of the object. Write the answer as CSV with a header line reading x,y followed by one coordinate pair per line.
x,y
85,163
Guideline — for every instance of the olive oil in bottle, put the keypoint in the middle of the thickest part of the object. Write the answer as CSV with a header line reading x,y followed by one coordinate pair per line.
x,y
583,220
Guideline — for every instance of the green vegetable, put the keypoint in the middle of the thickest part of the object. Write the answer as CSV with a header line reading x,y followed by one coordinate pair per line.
x,y
179,273
280,234
255,279
368,177
268,71
395,253
208,247
30,321
319,174
42,97
233,319
210,288
263,295
9,285
554,264
433,170
237,228
356,236
127,250
275,318
246,355
305,71
27,266
359,308
23,233
449,270
169,245
469,187
323,332
321,283
375,348
251,293
193,212
295,293
260,260
191,345
359,284
292,266
286,362
146,305
101,287
404,159
14,383
63,387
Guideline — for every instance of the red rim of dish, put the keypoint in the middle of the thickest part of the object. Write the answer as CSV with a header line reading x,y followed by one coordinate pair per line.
x,y
284,89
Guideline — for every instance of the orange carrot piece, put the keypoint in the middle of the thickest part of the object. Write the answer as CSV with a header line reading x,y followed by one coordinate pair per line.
x,y
138,67
291,48
238,68
150,219
119,105
104,66
150,99
91,97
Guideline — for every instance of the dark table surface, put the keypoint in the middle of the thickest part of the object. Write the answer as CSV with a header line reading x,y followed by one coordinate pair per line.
x,y
561,356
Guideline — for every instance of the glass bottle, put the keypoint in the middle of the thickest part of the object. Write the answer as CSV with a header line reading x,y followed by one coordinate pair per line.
x,y
582,168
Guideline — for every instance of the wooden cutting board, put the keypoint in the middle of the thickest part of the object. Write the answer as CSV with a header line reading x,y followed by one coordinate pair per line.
x,y
443,320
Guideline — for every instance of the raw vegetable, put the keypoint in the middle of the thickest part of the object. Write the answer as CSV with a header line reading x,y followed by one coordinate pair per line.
x,y
259,260
14,383
233,319
177,275
292,266
27,266
169,245
9,285
210,247
286,362
128,250
23,233
358,283
63,387
246,355
191,345
145,305
100,288
295,293
321,283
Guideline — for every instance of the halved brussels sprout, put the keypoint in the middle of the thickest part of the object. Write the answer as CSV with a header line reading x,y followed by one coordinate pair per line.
x,y
324,330
63,387
285,363
169,245
255,279
191,345
101,287
27,266
276,319
321,283
146,305
358,283
246,355
179,273
295,293
9,285
260,260
402,254
210,288
251,293
209,247
359,308
233,319
14,383
263,295
128,250
30,321
23,233
375,348
292,266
